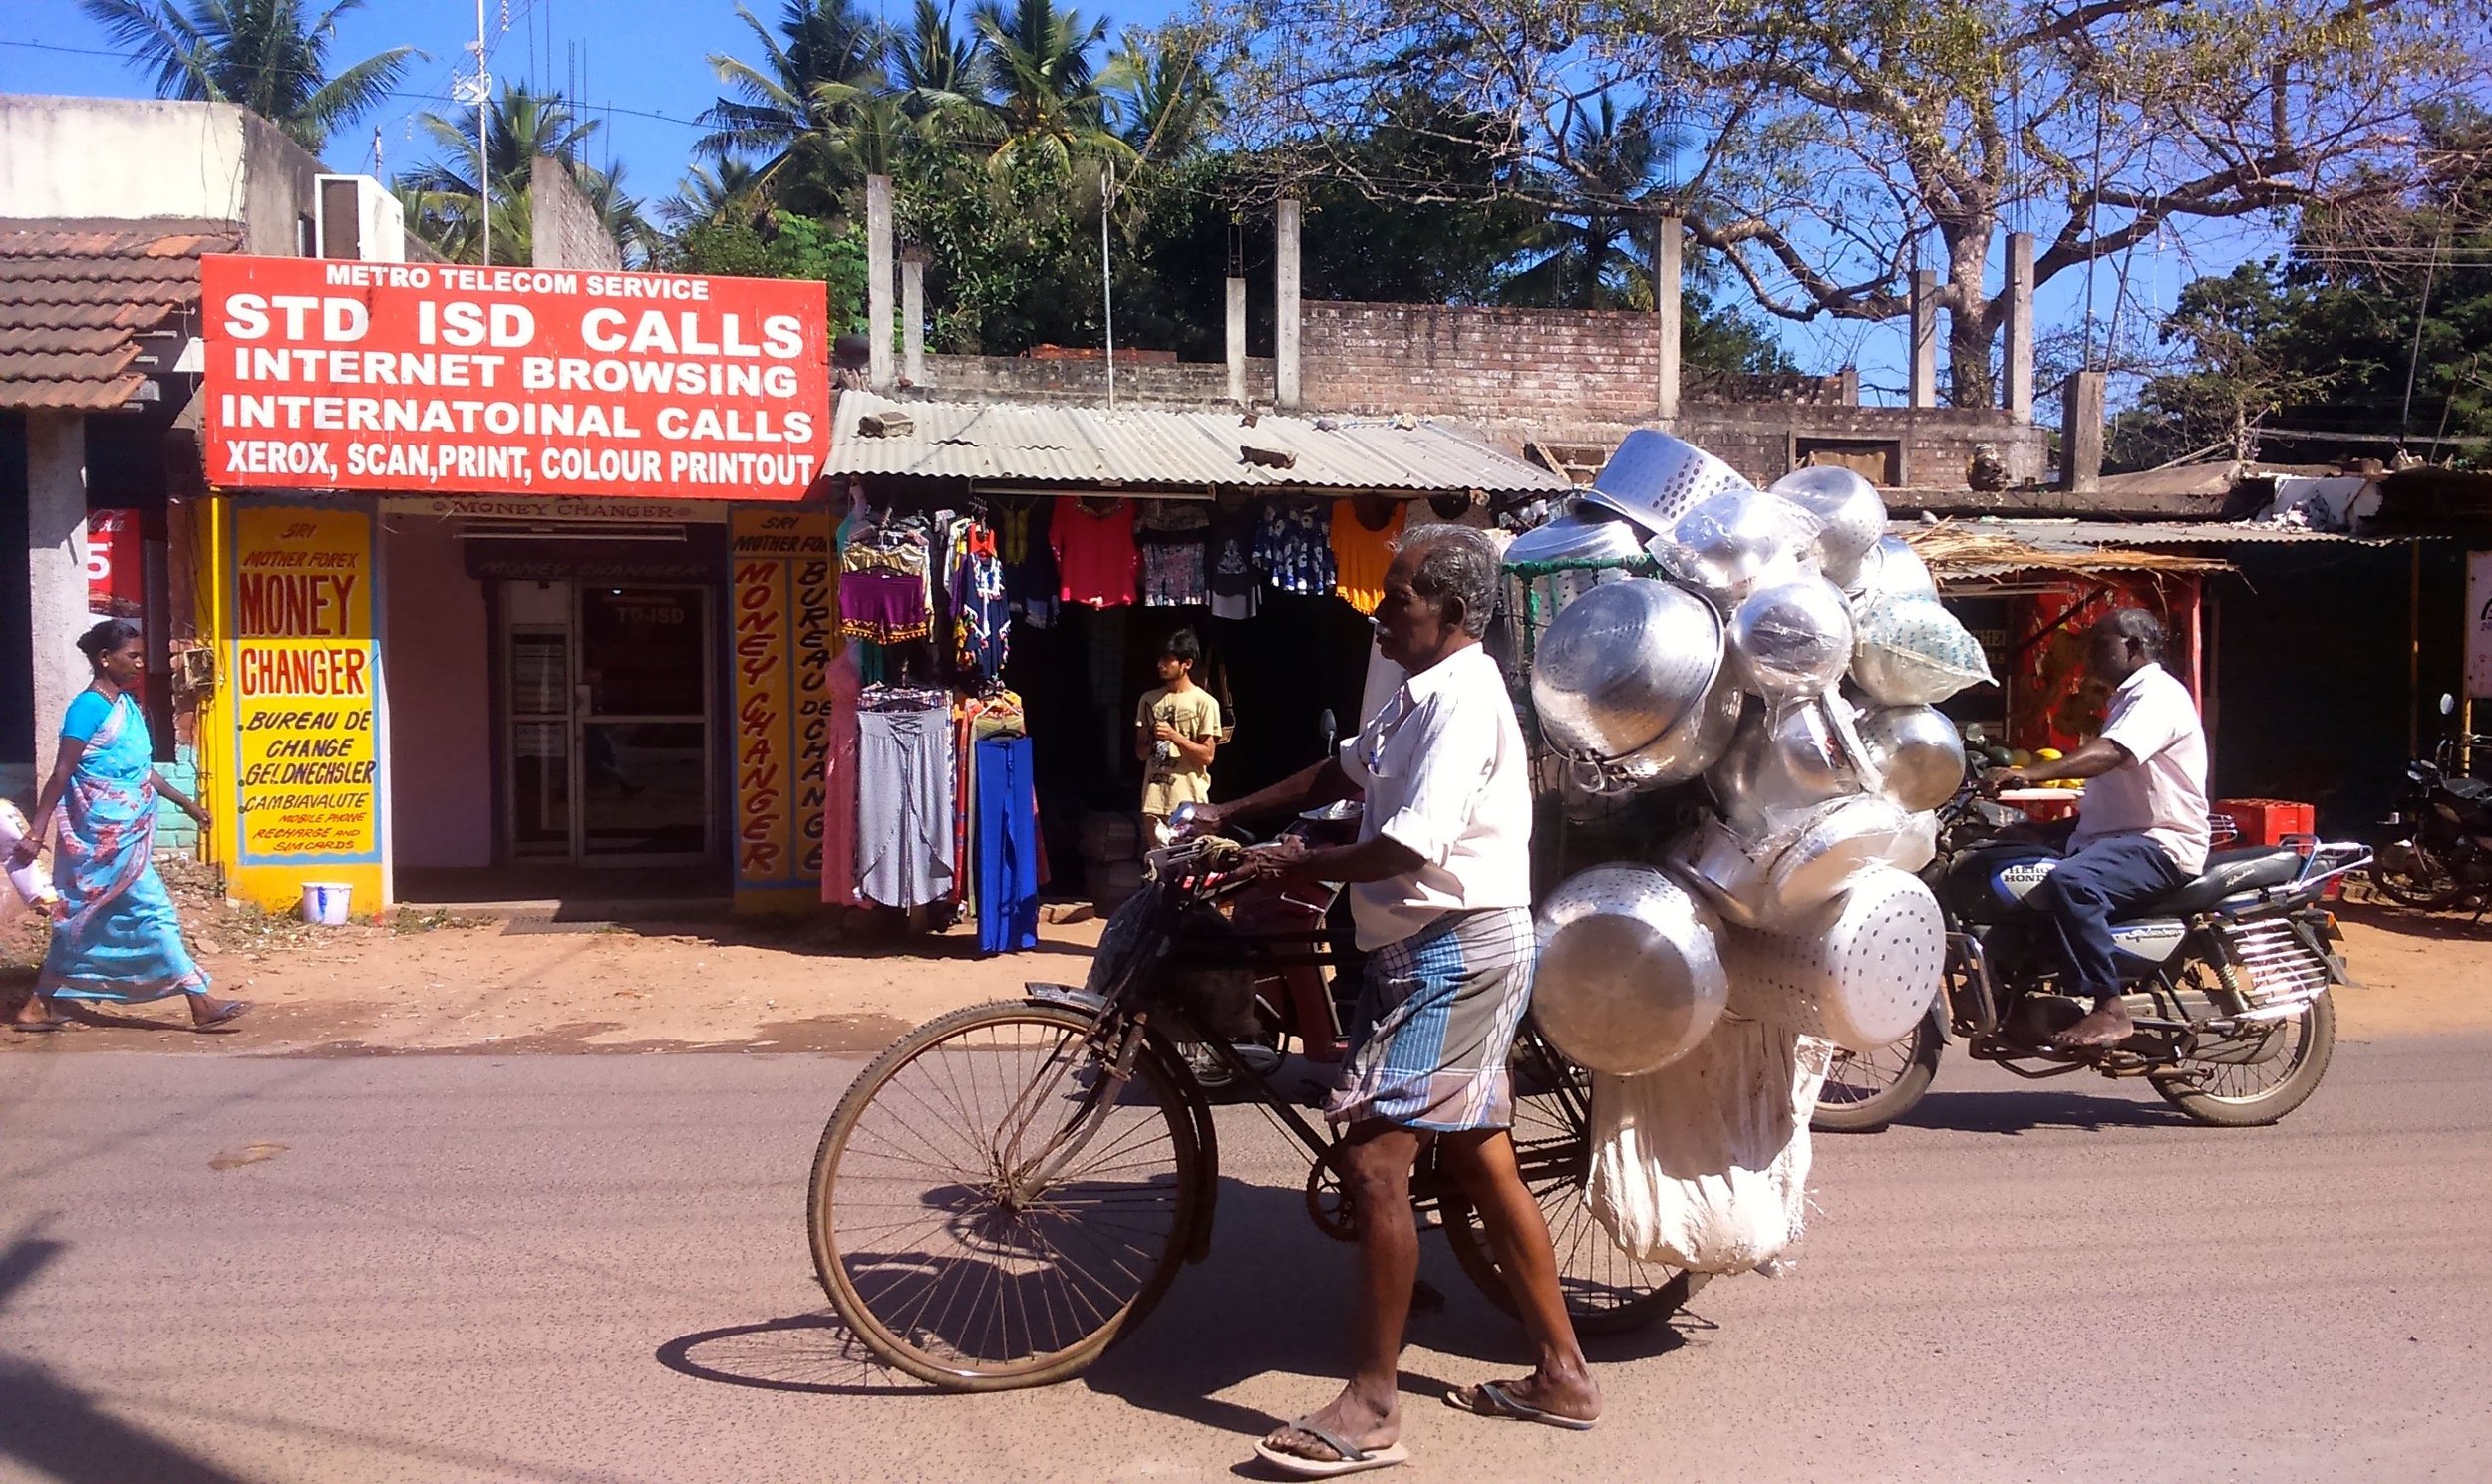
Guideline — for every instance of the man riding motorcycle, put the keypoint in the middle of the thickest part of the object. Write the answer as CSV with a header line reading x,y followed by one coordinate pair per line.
x,y
2142,826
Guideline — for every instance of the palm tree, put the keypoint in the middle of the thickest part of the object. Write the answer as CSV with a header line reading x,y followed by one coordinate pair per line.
x,y
1596,257
708,198
1048,108
781,108
441,197
1160,94
935,65
269,56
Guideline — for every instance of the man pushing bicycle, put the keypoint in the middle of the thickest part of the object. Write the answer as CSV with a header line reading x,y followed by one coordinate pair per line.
x,y
1440,890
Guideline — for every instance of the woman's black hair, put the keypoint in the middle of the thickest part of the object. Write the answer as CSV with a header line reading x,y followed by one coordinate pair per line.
x,y
105,638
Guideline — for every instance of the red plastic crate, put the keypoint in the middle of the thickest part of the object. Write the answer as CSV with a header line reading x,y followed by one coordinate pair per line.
x,y
2267,821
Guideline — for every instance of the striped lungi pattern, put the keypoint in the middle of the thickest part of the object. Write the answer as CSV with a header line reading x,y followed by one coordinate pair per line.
x,y
1435,1021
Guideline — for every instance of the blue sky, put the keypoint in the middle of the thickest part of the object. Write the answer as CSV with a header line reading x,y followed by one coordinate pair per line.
x,y
642,67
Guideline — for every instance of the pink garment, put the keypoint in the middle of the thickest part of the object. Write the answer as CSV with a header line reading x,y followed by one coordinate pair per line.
x,y
839,779
1095,559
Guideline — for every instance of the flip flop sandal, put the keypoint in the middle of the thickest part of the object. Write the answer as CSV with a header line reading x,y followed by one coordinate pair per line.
x,y
1353,1460
1492,1399
233,1012
35,1025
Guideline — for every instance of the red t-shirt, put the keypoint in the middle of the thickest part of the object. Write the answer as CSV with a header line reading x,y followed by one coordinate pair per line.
x,y
1096,561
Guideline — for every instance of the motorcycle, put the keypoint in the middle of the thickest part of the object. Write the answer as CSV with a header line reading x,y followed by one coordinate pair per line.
x,y
2442,853
2228,977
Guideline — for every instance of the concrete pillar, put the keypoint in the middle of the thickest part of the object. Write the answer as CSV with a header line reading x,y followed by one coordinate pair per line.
x,y
2019,327
55,571
1284,305
1924,385
878,281
913,320
1237,341
1668,284
2081,435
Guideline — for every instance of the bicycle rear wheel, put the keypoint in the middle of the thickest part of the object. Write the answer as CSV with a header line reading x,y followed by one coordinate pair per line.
x,y
989,1209
1607,1292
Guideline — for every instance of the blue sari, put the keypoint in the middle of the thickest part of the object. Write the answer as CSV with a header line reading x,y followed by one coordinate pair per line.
x,y
118,937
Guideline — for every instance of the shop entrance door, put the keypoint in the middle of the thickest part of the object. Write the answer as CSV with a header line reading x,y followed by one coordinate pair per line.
x,y
609,717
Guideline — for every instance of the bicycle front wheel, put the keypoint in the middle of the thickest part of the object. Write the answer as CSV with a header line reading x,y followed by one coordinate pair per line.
x,y
991,1209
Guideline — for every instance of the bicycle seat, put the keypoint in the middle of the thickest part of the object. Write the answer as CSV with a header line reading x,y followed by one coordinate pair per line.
x,y
2227,872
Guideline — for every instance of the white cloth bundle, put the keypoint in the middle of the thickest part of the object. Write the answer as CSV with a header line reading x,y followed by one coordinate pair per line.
x,y
1704,1164
31,885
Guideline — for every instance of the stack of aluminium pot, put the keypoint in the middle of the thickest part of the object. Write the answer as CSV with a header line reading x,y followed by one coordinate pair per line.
x,y
1777,679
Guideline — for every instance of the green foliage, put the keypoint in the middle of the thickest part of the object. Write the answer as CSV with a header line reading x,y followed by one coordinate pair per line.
x,y
442,198
781,246
270,56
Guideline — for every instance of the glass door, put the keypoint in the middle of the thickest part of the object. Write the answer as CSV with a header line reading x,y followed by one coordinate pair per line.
x,y
641,700
541,741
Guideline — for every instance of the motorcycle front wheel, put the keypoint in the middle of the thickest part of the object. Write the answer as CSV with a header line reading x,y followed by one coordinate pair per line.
x,y
1867,1090
2252,1094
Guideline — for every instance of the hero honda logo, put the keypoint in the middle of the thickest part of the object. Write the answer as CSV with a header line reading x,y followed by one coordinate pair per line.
x,y
2017,881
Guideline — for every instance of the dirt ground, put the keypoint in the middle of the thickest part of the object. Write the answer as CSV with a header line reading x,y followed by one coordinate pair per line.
x,y
493,986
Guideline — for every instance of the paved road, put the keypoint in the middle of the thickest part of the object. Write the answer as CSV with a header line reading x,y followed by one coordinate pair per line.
x,y
592,1269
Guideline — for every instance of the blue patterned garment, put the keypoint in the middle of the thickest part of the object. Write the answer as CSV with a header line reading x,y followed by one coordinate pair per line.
x,y
1293,546
1435,1021
119,937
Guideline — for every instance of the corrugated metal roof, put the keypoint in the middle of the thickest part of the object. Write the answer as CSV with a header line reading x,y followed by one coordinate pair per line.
x,y
75,294
2086,534
1092,447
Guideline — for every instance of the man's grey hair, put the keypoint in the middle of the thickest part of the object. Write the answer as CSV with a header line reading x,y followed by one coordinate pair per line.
x,y
1455,562
2136,625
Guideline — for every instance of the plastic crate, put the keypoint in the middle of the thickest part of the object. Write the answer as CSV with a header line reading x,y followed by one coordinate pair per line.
x,y
2267,821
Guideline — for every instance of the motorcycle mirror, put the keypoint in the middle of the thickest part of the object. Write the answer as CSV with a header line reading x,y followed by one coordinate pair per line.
x,y
2448,703
1330,728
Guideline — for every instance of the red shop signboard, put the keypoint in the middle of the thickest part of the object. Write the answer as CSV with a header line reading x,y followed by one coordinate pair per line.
x,y
324,373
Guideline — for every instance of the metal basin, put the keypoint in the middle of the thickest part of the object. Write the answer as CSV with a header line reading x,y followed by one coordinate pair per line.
x,y
1734,543
1850,516
1782,765
1792,639
1910,651
1919,754
1621,666
1891,569
1630,976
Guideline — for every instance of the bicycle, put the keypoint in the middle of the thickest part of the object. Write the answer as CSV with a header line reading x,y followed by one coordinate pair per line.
x,y
1008,1190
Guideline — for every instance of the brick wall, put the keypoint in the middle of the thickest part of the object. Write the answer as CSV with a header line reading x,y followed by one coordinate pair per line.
x,y
1084,382
563,229
1935,444
1587,366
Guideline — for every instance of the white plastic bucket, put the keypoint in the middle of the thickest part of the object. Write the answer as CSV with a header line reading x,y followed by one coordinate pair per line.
x,y
325,903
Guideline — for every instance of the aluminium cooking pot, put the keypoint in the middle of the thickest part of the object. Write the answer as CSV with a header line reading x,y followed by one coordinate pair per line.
x,y
1850,515
1918,752
1621,666
1630,977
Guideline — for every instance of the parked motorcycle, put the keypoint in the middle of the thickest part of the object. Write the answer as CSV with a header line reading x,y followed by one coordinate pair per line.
x,y
2442,853
2228,977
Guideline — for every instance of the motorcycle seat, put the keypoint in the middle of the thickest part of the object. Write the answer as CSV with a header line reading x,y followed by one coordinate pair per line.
x,y
2227,872
2472,791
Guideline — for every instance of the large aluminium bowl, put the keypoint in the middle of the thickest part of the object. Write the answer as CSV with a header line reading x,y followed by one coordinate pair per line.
x,y
1784,765
1621,666
1630,977
1918,753
1850,515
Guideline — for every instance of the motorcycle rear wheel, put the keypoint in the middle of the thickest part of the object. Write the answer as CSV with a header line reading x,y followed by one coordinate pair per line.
x,y
2238,1096
2428,891
1866,1091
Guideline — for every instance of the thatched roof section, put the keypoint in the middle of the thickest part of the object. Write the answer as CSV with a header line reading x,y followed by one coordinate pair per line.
x,y
1954,549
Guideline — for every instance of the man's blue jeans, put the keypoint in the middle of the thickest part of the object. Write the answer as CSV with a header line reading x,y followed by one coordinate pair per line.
x,y
2088,889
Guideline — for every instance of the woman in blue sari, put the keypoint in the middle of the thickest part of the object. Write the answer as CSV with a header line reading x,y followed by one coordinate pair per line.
x,y
116,937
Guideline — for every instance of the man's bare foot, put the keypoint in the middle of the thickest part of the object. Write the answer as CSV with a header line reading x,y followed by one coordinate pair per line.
x,y
1540,1396
2105,1025
1353,1417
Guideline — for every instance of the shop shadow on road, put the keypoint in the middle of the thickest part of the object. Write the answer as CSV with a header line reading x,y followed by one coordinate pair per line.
x,y
2022,1112
2416,922
56,1431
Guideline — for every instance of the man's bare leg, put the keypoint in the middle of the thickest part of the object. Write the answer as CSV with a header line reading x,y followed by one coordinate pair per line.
x,y
1561,1382
1376,1158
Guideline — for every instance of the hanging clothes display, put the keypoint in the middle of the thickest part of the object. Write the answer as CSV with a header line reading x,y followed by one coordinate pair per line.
x,y
981,620
1007,845
885,595
1362,552
1095,559
905,842
1229,561
839,780
1171,534
1294,547
1021,543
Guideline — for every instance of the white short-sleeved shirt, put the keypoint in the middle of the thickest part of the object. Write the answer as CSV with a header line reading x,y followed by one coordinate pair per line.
x,y
2161,792
1444,772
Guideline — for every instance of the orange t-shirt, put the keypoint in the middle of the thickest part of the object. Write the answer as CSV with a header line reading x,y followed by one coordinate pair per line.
x,y
1360,555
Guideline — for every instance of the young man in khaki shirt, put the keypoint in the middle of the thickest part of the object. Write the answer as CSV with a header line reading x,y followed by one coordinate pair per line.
x,y
1176,730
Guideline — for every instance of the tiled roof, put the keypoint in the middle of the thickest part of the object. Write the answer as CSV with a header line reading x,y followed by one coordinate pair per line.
x,y
1085,447
74,295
